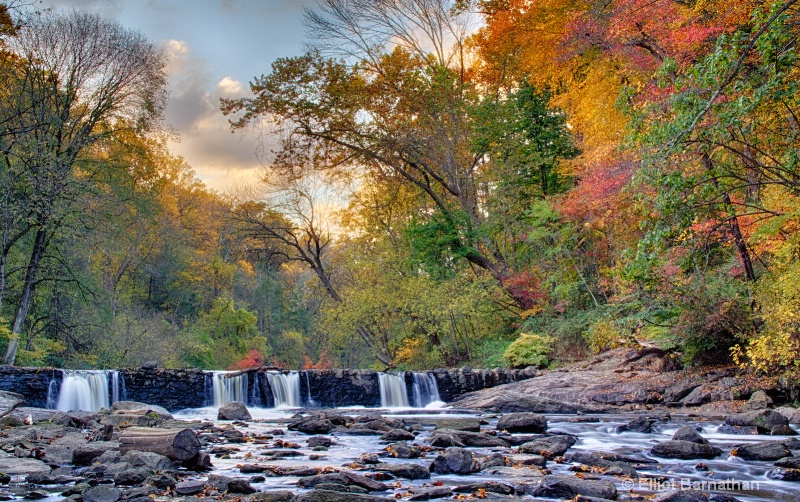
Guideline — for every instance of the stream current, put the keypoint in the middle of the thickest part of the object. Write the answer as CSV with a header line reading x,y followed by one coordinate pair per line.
x,y
748,481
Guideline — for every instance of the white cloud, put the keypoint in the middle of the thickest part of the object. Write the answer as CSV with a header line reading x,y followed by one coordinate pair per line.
x,y
230,86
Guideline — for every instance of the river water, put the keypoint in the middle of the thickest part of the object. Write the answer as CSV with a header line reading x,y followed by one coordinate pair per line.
x,y
746,480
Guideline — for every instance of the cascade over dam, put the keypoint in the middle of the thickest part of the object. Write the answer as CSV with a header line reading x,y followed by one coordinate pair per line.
x,y
179,389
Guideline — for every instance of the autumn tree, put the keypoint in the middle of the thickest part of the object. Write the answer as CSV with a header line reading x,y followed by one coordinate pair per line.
x,y
82,79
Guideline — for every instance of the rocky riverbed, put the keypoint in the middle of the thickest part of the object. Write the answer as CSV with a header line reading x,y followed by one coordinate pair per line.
x,y
603,431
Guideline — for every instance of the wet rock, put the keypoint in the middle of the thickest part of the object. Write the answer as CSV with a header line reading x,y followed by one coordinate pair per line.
x,y
459,424
454,461
549,446
678,391
523,422
489,487
191,487
408,471
162,481
764,420
738,430
131,477
276,496
641,424
22,466
694,496
148,460
465,438
759,400
566,487
782,430
397,435
516,402
140,492
605,461
332,496
40,478
792,443
764,450
315,441
162,412
101,493
9,401
689,433
537,460
685,450
791,413
402,450
343,478
312,425
234,410
781,474
380,424
436,492
789,462
86,454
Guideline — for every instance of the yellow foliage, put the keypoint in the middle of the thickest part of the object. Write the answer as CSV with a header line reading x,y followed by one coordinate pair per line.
x,y
604,335
408,350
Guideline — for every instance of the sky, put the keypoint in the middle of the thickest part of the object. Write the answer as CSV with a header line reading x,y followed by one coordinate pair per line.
x,y
214,49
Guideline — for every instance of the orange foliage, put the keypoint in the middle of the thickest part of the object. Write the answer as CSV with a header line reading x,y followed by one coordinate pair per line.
x,y
324,362
253,359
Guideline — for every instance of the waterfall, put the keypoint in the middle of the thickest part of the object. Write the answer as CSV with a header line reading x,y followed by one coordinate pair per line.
x,y
255,392
285,388
228,388
52,393
424,389
393,391
310,403
87,390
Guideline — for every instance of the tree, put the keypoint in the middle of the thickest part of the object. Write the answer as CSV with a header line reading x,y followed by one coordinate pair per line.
x,y
83,79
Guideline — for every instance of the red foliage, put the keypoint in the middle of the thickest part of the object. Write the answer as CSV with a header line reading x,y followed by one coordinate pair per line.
x,y
324,362
526,288
253,359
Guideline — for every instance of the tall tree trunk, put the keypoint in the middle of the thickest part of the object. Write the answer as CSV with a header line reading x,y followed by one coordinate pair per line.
x,y
27,293
733,226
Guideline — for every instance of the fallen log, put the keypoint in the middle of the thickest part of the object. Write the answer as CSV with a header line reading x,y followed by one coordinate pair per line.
x,y
177,444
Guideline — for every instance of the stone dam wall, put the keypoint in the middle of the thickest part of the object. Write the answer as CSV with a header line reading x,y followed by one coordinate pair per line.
x,y
180,389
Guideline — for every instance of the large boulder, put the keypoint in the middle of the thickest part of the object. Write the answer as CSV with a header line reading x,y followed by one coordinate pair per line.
x,y
523,422
764,450
137,406
764,420
234,410
685,450
689,433
459,424
454,461
549,446
759,400
568,487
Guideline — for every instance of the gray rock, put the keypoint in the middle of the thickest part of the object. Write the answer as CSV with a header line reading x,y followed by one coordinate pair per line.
x,y
239,485
764,420
791,413
397,435
567,487
140,492
789,462
523,422
22,466
408,471
162,481
135,405
342,478
436,492
685,450
9,401
640,424
764,450
276,496
319,441
689,433
86,454
234,410
149,460
782,430
459,424
549,446
781,474
694,496
465,438
332,496
759,400
192,487
605,461
131,477
454,461
101,493
315,426
749,430
489,487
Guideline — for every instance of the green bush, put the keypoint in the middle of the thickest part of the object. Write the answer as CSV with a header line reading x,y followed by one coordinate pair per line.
x,y
529,349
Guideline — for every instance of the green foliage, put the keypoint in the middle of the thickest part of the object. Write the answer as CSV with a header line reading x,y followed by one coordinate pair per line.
x,y
530,349
604,334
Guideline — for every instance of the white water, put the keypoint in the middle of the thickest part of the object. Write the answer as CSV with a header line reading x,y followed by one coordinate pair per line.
x,y
310,403
228,388
87,390
285,389
425,390
393,391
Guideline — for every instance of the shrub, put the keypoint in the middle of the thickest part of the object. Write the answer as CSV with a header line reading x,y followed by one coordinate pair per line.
x,y
529,349
604,334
